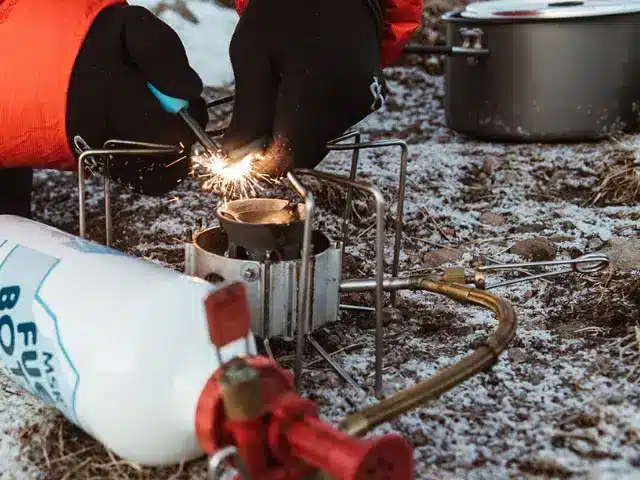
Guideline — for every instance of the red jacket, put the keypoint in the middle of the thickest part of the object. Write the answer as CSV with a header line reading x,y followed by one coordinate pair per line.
x,y
39,42
401,19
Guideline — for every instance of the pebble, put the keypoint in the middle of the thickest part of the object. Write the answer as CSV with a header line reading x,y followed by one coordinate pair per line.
x,y
517,355
333,341
449,231
430,325
438,257
464,330
392,315
533,228
594,243
535,249
625,254
615,399
560,239
510,177
536,378
415,259
367,320
493,219
433,66
350,263
489,165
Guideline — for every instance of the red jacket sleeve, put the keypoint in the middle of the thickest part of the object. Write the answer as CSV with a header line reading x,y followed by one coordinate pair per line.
x,y
401,18
39,42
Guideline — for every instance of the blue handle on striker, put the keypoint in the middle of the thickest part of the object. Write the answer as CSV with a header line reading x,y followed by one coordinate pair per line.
x,y
169,104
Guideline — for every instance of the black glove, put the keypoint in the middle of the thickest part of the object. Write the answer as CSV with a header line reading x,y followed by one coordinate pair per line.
x,y
126,47
305,71
15,191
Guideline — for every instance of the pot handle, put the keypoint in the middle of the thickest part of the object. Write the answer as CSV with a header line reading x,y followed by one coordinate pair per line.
x,y
446,50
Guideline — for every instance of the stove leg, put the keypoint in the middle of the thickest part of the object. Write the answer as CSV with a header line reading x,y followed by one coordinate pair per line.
x,y
267,347
338,369
400,212
404,157
379,268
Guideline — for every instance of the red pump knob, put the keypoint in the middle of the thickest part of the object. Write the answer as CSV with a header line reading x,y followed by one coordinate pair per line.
x,y
348,458
296,433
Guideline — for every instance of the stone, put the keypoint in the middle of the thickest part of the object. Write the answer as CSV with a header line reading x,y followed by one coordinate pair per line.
x,y
415,260
493,219
517,355
511,177
449,231
533,228
489,165
433,66
350,263
615,399
561,239
594,243
624,254
441,256
463,330
392,315
535,249
367,320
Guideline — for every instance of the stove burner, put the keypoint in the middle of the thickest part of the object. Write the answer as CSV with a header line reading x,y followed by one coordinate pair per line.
x,y
263,229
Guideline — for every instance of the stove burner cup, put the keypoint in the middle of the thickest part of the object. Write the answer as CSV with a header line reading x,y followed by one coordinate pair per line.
x,y
263,229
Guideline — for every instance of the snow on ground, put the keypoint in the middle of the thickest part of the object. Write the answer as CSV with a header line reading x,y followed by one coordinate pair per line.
x,y
561,403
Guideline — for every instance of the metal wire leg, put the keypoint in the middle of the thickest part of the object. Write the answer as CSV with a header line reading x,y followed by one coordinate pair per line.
x,y
346,217
339,370
105,154
304,295
380,208
336,145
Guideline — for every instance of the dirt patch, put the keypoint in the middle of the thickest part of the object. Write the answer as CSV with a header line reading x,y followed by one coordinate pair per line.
x,y
605,310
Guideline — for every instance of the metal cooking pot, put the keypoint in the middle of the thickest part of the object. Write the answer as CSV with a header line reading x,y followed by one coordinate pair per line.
x,y
527,70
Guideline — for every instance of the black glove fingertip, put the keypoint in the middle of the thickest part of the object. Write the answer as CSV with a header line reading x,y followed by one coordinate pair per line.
x,y
155,49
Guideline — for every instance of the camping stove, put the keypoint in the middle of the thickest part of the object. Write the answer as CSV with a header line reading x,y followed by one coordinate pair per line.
x,y
259,242
292,272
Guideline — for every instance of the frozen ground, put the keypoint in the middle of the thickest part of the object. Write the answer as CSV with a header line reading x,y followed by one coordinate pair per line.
x,y
561,403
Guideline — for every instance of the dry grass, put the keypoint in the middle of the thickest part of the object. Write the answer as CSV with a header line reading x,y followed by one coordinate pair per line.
x,y
608,308
629,351
620,183
66,453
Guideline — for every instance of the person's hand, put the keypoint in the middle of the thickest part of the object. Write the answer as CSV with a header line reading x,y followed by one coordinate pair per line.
x,y
108,98
305,71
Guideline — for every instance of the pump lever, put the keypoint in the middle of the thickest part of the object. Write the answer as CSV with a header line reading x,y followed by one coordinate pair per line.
x,y
228,317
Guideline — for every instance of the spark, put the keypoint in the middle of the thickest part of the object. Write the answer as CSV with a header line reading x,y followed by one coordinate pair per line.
x,y
236,180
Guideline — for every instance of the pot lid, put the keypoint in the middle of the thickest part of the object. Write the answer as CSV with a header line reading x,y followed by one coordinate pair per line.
x,y
537,9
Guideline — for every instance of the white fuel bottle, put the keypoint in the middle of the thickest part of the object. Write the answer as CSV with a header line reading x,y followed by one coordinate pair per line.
x,y
119,345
